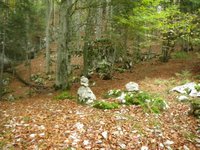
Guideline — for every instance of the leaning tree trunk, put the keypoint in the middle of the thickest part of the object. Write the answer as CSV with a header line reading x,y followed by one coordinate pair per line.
x,y
63,48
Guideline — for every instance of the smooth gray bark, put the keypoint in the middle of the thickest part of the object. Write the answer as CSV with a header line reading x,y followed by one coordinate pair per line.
x,y
63,48
48,14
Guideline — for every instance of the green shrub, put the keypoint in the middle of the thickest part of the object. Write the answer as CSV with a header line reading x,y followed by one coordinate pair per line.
x,y
64,95
197,87
105,105
149,102
143,96
104,70
188,91
131,99
157,105
113,93
120,70
37,79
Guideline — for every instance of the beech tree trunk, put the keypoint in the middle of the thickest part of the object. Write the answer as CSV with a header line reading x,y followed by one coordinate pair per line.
x,y
48,14
63,48
89,33
2,65
99,21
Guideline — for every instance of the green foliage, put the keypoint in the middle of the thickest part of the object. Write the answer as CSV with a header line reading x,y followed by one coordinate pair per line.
x,y
120,70
195,107
149,102
113,93
156,105
22,22
197,87
104,70
180,55
167,19
188,91
64,95
105,105
130,99
37,79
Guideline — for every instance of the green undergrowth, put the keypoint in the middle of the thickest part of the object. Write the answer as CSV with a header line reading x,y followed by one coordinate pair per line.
x,y
197,87
180,55
149,102
112,94
64,95
185,74
105,105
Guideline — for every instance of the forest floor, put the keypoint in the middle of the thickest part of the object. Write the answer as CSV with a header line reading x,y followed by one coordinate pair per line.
x,y
41,122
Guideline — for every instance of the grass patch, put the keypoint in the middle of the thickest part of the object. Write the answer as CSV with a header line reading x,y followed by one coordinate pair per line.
x,y
105,105
180,55
185,74
189,136
162,82
64,95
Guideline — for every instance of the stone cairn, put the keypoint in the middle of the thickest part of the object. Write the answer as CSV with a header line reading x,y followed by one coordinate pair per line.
x,y
85,94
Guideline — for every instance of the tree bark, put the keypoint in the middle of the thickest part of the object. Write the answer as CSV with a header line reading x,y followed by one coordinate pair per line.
x,y
89,32
62,81
48,14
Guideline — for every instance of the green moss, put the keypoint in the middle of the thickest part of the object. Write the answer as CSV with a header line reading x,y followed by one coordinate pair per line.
x,y
105,105
64,95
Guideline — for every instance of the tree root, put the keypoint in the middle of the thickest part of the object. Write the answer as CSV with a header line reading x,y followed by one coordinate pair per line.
x,y
14,72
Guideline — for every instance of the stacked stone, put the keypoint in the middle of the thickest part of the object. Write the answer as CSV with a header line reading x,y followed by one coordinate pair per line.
x,y
85,94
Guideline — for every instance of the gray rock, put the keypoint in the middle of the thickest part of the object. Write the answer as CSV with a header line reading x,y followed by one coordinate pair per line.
x,y
85,95
84,81
5,61
185,147
188,88
168,142
122,98
132,86
183,98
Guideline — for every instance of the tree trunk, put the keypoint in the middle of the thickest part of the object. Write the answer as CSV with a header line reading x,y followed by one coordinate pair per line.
x,y
63,48
89,32
2,65
99,23
48,14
